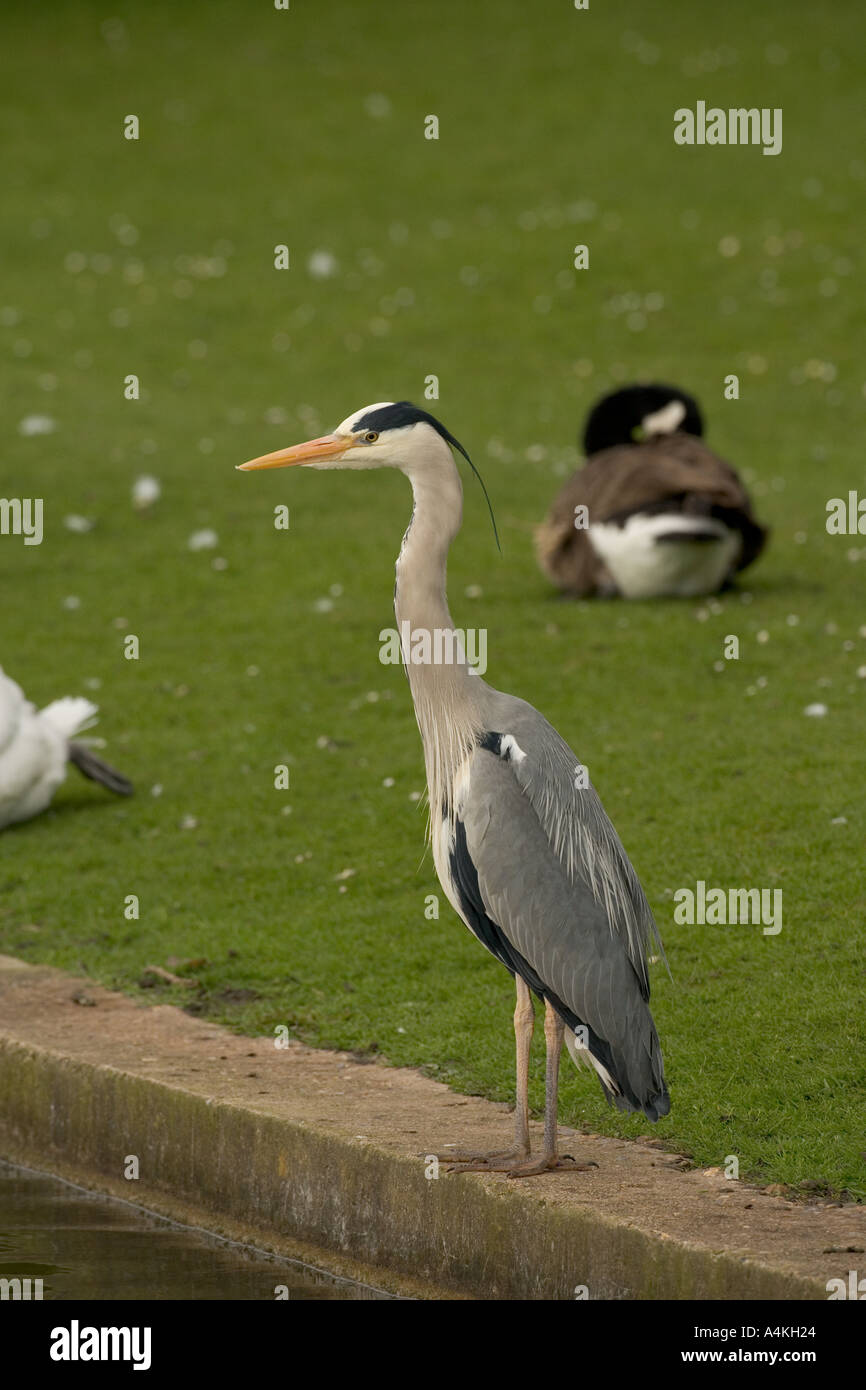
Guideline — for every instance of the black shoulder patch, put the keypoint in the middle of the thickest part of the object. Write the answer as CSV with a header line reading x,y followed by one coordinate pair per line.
x,y
496,743
492,743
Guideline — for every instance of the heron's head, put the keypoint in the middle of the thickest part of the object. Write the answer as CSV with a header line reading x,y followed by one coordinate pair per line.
x,y
388,434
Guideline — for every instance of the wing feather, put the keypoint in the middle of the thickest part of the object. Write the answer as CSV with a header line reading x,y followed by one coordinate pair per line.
x,y
552,894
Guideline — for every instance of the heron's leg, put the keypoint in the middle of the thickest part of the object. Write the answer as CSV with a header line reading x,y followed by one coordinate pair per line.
x,y
524,1023
550,1160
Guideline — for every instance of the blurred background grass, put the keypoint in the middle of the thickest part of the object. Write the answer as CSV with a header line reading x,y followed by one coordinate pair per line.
x,y
410,258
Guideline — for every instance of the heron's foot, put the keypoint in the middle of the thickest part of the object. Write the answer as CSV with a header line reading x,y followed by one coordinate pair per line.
x,y
550,1163
495,1161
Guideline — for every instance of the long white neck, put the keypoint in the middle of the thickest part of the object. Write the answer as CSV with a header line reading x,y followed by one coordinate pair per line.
x,y
445,693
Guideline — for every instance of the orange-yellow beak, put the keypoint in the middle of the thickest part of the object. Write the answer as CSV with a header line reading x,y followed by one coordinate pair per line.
x,y
311,452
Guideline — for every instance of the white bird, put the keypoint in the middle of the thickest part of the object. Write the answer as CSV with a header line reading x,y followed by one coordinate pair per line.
x,y
521,843
36,746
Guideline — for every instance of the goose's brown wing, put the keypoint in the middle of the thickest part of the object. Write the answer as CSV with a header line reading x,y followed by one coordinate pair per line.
x,y
674,473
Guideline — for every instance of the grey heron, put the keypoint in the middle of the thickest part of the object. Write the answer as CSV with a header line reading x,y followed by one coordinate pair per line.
x,y
36,746
522,846
657,516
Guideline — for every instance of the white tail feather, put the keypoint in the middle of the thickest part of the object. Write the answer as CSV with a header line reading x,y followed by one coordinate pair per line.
x,y
582,1057
71,715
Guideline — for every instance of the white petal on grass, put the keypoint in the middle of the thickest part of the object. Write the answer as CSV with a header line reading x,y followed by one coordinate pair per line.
x,y
323,605
322,265
816,711
36,424
377,105
72,601
146,491
205,539
77,523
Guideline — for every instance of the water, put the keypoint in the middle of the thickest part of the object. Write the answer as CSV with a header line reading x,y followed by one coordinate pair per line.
x,y
84,1246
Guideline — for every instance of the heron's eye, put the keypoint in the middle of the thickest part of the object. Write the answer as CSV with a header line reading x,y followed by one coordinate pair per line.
x,y
371,436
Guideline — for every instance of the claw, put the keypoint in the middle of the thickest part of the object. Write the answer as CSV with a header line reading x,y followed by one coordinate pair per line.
x,y
555,1163
496,1161
514,1165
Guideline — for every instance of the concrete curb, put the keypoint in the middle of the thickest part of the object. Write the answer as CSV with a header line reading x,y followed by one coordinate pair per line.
x,y
272,1147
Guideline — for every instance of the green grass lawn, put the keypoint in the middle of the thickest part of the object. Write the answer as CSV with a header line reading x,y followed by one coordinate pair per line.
x,y
450,258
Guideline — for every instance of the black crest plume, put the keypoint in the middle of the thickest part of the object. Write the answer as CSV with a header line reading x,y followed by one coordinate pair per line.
x,y
401,413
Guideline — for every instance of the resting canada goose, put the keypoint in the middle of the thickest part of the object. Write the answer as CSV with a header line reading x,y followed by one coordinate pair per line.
x,y
659,515
35,747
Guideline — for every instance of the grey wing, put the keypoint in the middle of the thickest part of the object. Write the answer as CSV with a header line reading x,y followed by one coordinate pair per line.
x,y
555,929
576,824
